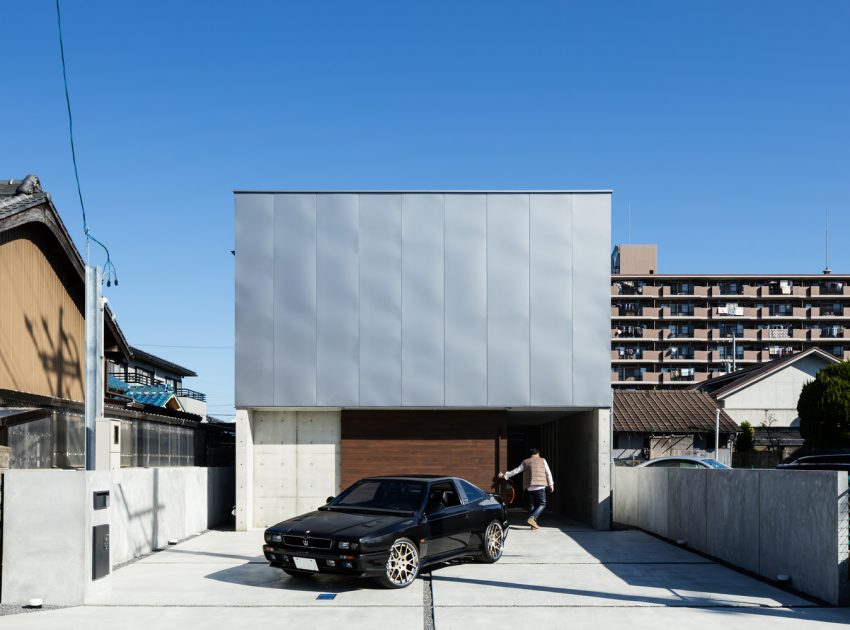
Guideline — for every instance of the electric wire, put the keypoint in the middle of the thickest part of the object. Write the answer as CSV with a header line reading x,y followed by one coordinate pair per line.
x,y
110,271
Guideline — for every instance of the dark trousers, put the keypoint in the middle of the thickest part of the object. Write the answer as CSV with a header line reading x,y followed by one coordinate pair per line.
x,y
536,502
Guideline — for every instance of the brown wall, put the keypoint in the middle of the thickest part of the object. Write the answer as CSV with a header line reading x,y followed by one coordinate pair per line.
x,y
465,444
42,329
638,259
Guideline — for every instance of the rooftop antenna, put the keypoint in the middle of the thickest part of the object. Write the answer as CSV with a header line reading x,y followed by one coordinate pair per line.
x,y
630,223
826,269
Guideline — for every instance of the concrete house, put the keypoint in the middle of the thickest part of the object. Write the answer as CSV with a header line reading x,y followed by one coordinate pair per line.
x,y
420,332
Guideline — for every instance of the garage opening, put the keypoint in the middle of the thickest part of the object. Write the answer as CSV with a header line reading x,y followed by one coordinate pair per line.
x,y
476,445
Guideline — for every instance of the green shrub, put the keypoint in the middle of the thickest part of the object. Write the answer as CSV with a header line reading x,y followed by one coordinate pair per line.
x,y
824,407
746,439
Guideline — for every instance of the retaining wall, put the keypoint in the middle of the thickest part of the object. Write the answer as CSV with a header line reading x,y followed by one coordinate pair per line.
x,y
769,522
49,515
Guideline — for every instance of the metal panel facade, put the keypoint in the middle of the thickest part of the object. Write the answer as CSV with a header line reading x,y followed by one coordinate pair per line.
x,y
423,299
422,311
551,291
591,329
380,300
337,299
466,300
295,300
254,306
507,300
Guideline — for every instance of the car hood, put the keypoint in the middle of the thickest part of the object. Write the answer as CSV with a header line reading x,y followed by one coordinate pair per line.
x,y
329,523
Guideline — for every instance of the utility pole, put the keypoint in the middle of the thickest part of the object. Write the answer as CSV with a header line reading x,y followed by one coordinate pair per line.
x,y
717,434
94,359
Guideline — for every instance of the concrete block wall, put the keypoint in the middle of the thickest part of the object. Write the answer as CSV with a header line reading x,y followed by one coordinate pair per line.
x,y
288,463
769,522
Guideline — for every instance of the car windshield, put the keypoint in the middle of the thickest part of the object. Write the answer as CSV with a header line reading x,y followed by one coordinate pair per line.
x,y
396,495
713,463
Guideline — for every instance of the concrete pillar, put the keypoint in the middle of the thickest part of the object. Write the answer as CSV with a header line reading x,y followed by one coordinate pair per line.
x,y
601,488
244,470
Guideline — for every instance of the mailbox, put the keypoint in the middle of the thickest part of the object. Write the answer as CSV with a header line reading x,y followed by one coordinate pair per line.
x,y
100,552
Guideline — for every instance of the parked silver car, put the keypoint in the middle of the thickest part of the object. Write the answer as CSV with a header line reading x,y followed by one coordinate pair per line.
x,y
683,461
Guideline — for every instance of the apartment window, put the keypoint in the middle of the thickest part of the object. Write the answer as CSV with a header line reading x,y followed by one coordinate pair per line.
x,y
832,331
681,309
629,331
779,287
731,330
781,310
681,352
630,309
682,288
838,351
725,351
631,288
173,383
731,288
832,288
681,330
831,309
629,352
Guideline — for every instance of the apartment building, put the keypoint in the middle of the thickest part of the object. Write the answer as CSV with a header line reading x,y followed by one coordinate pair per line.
x,y
671,331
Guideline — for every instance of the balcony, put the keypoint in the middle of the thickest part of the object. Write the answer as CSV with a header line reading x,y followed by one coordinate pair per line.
x,y
834,288
144,379
800,333
800,312
750,291
827,311
768,334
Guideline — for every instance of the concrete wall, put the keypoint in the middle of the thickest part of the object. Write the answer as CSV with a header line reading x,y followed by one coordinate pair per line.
x,y
774,396
770,522
49,515
288,463
578,450
154,505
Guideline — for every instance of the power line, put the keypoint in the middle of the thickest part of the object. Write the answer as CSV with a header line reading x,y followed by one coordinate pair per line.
x,y
109,269
160,345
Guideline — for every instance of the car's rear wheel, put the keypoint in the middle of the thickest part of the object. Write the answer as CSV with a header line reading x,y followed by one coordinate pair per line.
x,y
492,543
402,564
298,574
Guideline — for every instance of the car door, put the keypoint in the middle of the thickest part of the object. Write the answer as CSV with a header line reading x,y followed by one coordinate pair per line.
x,y
448,519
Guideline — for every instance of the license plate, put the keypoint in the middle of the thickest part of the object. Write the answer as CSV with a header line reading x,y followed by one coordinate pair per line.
x,y
306,564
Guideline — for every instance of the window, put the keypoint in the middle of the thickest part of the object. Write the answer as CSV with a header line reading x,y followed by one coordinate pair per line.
x,y
681,309
681,330
781,309
682,288
443,493
472,493
731,288
731,330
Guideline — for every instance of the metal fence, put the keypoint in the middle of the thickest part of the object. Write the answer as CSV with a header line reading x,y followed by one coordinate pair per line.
x,y
58,441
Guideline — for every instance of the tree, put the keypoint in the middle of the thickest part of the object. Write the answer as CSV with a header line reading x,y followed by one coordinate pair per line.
x,y
824,407
746,439
772,439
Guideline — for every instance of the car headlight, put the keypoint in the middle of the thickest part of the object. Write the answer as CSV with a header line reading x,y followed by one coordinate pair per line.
x,y
344,544
276,538
268,537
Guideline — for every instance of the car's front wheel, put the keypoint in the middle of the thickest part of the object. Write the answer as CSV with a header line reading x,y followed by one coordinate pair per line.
x,y
402,564
493,543
298,574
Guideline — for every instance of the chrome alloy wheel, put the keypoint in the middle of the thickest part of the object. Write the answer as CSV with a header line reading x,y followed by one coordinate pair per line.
x,y
403,563
494,538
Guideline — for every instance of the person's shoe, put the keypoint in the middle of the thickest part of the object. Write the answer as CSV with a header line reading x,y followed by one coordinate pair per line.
x,y
533,523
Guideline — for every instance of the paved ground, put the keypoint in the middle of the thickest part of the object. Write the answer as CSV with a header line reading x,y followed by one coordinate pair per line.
x,y
556,577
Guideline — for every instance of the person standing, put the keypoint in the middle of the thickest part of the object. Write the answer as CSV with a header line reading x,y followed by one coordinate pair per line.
x,y
536,478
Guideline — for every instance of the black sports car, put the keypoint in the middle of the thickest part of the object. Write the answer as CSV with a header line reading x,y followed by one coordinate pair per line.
x,y
389,528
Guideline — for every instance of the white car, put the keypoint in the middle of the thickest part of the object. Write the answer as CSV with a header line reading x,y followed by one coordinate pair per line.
x,y
683,461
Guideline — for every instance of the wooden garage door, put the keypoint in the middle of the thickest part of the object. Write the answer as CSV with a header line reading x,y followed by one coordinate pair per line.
x,y
468,444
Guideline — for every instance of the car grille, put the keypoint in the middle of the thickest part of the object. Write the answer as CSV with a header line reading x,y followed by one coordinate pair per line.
x,y
312,542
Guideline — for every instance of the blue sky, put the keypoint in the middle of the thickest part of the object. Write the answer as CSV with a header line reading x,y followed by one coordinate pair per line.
x,y
723,124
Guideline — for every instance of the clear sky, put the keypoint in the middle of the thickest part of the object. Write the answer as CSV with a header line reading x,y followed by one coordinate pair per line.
x,y
724,124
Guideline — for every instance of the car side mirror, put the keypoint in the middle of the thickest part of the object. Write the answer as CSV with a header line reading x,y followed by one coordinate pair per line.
x,y
329,499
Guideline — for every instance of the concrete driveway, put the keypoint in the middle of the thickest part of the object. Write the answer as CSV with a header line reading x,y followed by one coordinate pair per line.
x,y
556,577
